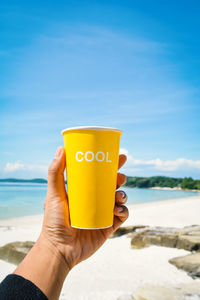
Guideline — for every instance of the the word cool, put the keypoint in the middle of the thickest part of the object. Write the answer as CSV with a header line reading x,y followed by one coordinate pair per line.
x,y
90,156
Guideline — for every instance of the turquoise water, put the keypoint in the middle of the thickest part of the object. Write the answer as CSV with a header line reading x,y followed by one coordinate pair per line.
x,y
18,200
136,195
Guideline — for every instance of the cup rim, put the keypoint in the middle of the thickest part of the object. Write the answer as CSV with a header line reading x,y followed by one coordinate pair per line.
x,y
91,128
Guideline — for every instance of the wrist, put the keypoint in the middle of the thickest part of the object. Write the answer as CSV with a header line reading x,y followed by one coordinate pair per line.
x,y
45,267
59,247
52,251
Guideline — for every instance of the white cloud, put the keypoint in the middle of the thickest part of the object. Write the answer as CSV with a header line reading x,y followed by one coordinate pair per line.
x,y
12,167
160,165
132,166
18,166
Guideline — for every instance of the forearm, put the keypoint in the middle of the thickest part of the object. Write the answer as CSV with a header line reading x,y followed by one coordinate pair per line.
x,y
45,267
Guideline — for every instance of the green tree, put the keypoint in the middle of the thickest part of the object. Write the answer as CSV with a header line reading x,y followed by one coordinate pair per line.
x,y
188,183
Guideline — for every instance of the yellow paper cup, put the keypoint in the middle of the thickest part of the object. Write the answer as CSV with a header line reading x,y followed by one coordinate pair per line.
x,y
92,157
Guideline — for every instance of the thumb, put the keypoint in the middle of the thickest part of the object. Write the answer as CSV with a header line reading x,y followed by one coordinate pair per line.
x,y
56,183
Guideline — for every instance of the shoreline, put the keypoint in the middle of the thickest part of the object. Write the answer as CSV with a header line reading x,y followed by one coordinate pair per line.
x,y
177,212
160,202
131,206
16,183
162,188
173,189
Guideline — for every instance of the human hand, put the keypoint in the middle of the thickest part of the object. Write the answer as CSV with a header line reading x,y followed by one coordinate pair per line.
x,y
75,245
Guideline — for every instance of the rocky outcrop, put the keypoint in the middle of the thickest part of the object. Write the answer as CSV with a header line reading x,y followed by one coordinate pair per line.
x,y
189,263
160,236
187,238
188,242
15,252
126,229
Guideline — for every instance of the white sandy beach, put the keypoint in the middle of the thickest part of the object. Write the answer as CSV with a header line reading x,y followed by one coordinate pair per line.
x,y
116,269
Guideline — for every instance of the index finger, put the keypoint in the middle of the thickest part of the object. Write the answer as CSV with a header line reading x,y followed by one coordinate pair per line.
x,y
122,160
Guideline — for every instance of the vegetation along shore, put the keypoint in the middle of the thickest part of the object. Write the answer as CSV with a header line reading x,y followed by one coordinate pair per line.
x,y
186,183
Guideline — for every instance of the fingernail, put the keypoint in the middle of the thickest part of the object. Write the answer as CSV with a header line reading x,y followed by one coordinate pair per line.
x,y
59,151
120,209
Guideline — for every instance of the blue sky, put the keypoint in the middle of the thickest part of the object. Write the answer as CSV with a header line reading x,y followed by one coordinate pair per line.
x,y
133,65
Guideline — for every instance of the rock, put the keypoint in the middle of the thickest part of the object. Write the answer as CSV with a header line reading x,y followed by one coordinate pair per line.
x,y
190,230
187,238
139,241
126,229
188,242
160,236
15,252
181,292
189,263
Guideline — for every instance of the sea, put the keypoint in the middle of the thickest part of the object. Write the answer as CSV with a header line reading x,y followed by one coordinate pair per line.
x,y
24,199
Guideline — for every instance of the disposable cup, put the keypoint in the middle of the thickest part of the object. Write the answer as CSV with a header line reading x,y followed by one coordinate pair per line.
x,y
92,157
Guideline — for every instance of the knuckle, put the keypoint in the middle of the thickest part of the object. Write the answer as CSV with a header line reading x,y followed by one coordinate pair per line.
x,y
121,195
118,193
51,171
52,168
125,210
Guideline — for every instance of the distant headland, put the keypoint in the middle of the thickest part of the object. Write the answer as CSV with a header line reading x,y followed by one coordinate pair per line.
x,y
186,183
16,180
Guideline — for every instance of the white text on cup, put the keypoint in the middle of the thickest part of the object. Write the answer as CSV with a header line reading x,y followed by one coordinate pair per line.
x,y
90,156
